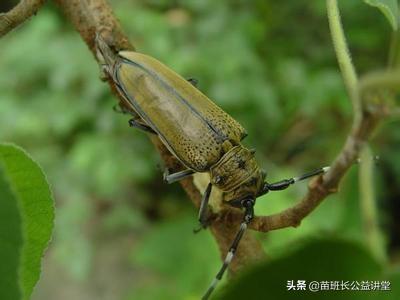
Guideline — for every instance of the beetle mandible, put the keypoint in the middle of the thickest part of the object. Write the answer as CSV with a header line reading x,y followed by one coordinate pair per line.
x,y
202,136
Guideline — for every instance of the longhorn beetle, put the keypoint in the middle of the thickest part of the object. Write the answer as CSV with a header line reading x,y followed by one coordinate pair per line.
x,y
202,136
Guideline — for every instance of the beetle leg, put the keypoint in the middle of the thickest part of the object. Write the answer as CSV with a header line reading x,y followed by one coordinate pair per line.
x,y
136,123
248,204
204,205
193,81
170,178
284,184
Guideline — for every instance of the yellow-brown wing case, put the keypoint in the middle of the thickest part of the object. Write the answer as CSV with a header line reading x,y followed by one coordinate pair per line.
x,y
191,126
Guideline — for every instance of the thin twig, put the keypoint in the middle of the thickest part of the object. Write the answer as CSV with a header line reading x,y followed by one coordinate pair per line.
x,y
19,14
386,79
394,52
343,54
372,233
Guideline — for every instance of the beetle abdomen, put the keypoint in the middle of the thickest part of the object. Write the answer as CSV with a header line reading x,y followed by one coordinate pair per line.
x,y
189,124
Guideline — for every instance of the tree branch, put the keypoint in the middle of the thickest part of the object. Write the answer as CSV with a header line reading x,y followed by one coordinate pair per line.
x,y
91,16
19,14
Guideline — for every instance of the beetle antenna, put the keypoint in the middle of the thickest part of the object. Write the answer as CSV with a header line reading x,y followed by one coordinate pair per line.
x,y
285,183
248,204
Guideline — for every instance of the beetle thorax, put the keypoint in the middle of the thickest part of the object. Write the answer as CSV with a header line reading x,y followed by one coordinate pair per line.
x,y
236,167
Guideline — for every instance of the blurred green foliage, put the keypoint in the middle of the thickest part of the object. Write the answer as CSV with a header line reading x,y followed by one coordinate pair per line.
x,y
121,233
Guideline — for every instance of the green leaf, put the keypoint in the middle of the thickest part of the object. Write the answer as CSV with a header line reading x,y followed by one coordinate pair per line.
x,y
26,222
389,8
318,260
10,241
